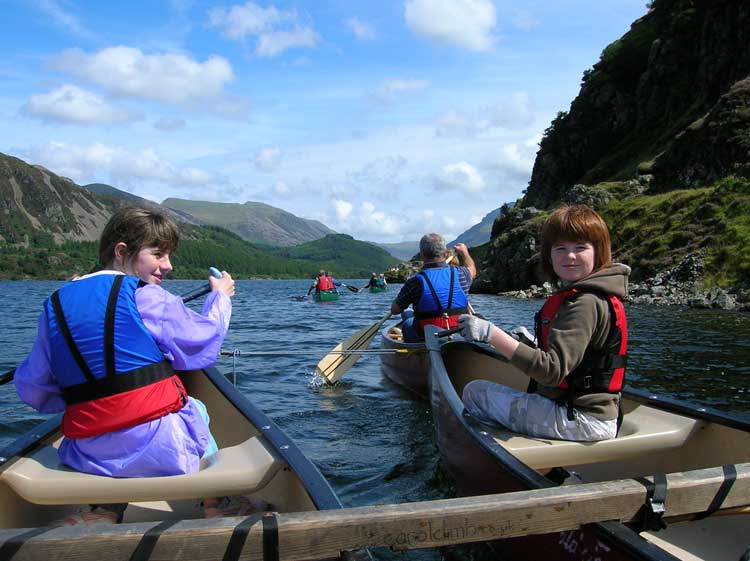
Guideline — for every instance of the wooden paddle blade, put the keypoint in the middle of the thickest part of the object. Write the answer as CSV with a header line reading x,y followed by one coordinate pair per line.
x,y
333,366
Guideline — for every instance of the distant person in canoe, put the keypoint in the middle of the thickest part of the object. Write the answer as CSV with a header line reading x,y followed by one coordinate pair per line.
x,y
438,294
579,366
324,283
107,346
376,282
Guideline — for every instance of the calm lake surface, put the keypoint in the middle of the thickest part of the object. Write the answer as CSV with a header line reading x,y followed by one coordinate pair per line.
x,y
372,440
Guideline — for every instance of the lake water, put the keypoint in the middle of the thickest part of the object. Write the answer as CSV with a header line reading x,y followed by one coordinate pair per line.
x,y
372,440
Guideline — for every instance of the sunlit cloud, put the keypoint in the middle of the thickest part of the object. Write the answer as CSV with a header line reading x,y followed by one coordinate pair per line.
x,y
461,175
168,78
275,30
71,104
464,23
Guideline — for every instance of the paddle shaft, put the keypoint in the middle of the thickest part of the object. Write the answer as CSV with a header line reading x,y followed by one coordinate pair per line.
x,y
190,296
334,352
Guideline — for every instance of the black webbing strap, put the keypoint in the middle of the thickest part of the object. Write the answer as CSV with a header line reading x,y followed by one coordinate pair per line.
x,y
109,327
11,546
450,290
652,511
145,547
270,537
239,536
65,330
123,382
730,475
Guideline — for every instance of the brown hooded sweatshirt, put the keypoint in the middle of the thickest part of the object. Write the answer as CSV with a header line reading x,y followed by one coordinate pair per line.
x,y
580,323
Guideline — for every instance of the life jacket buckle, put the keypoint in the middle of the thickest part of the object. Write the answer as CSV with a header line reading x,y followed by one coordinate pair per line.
x,y
587,382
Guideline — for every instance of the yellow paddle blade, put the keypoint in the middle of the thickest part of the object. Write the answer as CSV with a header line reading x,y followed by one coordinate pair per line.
x,y
333,366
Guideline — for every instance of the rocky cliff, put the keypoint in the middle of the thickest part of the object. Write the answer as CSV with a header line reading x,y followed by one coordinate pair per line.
x,y
658,141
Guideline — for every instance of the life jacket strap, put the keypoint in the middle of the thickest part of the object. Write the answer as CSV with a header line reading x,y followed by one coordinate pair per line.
x,y
123,382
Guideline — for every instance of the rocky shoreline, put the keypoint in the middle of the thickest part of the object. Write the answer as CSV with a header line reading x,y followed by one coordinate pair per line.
x,y
680,286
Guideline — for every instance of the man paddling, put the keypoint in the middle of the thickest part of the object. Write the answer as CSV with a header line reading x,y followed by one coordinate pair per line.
x,y
438,294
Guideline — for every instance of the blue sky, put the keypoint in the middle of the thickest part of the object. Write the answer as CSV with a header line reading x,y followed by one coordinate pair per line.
x,y
383,119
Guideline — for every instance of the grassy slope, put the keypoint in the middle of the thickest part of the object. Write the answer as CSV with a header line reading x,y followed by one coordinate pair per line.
x,y
657,231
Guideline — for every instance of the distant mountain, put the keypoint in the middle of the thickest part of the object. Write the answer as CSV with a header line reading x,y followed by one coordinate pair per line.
x,y
342,255
37,206
479,233
49,229
108,191
254,222
401,250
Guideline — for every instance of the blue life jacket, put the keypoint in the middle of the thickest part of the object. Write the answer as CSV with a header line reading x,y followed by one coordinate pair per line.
x,y
100,348
443,300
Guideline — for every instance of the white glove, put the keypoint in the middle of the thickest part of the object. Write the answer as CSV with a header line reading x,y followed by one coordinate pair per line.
x,y
475,329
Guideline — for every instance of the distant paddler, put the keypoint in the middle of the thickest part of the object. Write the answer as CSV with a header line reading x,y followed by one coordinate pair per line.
x,y
376,283
438,294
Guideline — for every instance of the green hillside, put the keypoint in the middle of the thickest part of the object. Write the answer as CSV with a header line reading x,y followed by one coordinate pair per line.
x,y
341,254
254,222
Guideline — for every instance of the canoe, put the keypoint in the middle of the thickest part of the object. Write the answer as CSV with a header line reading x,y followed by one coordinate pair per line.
x,y
378,289
326,296
658,435
255,459
411,369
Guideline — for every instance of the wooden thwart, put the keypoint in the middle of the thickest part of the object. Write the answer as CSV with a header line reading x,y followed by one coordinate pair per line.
x,y
320,535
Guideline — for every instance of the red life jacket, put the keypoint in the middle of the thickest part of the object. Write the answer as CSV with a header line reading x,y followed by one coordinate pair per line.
x,y
325,283
601,370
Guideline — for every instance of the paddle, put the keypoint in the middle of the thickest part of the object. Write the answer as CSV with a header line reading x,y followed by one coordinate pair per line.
x,y
351,288
344,355
192,295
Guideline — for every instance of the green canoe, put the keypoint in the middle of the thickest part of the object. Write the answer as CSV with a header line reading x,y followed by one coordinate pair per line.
x,y
377,289
326,296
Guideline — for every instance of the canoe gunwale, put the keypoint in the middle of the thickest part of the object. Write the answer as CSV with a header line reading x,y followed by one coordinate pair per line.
x,y
614,533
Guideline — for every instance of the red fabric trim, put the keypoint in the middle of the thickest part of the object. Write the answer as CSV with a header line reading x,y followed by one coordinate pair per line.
x,y
444,323
124,410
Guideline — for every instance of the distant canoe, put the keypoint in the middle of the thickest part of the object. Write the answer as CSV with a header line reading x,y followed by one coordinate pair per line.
x,y
410,370
378,289
658,436
255,458
326,296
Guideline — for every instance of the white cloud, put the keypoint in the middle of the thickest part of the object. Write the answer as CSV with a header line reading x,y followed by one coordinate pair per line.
x,y
276,30
360,29
128,72
391,89
343,208
464,23
167,124
276,42
364,221
516,160
71,104
461,175
268,159
84,163
455,124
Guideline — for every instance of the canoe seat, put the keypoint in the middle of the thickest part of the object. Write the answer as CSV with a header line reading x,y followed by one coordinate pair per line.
x,y
40,478
643,430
